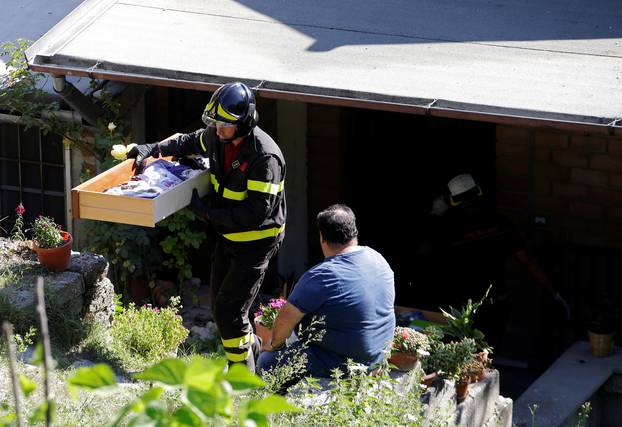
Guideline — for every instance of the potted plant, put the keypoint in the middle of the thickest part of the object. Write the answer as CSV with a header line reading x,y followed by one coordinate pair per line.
x,y
435,336
460,324
473,370
602,323
52,245
265,317
407,347
448,359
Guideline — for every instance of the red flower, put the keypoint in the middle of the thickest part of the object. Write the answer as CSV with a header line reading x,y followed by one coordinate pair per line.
x,y
405,335
20,209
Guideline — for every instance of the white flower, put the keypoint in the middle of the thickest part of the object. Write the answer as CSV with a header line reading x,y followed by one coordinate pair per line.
x,y
119,151
111,126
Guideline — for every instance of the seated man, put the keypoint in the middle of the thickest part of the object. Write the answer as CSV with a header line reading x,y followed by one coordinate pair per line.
x,y
353,289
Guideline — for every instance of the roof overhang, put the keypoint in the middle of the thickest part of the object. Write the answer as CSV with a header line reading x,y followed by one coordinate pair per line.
x,y
542,63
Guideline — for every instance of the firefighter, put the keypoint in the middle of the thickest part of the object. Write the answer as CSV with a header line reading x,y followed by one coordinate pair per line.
x,y
246,207
473,242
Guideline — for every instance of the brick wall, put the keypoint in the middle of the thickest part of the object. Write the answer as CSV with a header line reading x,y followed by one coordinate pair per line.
x,y
572,180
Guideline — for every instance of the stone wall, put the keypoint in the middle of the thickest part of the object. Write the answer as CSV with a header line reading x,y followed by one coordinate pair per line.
x,y
81,292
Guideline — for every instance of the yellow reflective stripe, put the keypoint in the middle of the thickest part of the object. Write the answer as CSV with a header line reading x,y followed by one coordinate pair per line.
x,y
234,195
265,187
201,141
214,182
237,342
248,236
234,357
227,115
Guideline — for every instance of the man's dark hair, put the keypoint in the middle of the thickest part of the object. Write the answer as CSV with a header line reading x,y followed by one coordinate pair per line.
x,y
337,224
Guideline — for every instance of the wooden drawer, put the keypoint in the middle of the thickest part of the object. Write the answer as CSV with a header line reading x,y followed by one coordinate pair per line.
x,y
89,202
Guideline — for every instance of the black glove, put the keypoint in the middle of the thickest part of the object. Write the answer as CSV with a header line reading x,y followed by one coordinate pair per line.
x,y
197,206
141,152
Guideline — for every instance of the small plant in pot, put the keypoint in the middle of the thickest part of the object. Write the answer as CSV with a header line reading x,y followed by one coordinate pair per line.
x,y
52,245
602,323
407,347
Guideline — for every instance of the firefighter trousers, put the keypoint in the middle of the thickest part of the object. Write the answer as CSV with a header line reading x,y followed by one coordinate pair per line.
x,y
238,269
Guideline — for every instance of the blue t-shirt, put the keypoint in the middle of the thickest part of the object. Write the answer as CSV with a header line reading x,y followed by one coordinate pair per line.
x,y
355,291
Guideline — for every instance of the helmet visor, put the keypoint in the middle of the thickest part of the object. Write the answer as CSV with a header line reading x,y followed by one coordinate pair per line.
x,y
212,122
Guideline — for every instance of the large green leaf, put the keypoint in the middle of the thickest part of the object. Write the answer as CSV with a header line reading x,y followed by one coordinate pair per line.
x,y
270,405
167,371
184,416
26,384
39,415
202,373
241,378
138,406
93,377
37,355
212,402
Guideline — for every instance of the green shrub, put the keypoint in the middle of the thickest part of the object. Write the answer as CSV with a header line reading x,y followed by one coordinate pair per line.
x,y
146,334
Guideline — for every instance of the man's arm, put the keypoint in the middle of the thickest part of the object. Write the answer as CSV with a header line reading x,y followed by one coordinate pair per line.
x,y
287,319
541,278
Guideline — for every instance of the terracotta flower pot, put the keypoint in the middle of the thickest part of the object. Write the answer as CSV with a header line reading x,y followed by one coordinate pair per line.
x,y
261,331
403,361
600,344
462,391
55,259
428,379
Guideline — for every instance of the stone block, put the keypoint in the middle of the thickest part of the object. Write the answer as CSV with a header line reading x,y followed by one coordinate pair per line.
x,y
92,266
99,305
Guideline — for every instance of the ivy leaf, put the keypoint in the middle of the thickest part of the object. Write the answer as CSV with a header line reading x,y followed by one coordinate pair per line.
x,y
167,371
27,385
241,378
93,377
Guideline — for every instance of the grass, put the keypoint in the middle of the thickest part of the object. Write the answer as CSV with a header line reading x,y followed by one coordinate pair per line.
x,y
87,409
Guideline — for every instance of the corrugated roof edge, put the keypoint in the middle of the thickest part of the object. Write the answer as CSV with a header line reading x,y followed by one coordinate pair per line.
x,y
71,66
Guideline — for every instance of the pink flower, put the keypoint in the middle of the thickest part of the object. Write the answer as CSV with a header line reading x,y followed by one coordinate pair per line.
x,y
20,209
277,303
405,335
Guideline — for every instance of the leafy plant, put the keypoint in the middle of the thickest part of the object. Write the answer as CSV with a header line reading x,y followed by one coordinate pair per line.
x,y
132,251
407,340
603,315
146,334
183,237
471,369
460,323
206,395
267,313
449,358
354,398
47,234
